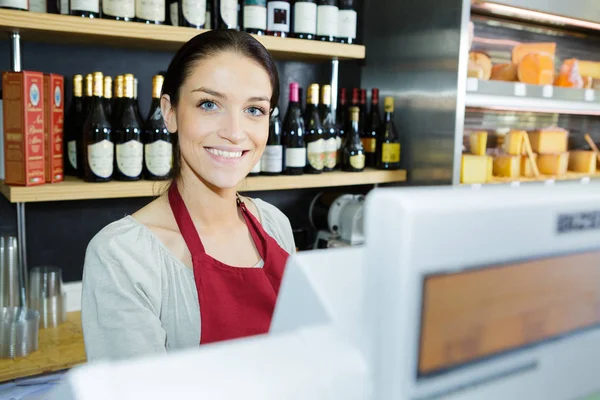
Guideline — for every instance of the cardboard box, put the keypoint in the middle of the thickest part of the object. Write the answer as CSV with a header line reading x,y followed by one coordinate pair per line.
x,y
54,122
23,109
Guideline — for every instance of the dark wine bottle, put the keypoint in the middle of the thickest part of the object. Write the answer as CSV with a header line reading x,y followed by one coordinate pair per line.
x,y
73,127
173,12
301,99
314,137
353,154
362,109
369,138
255,16
330,131
129,157
15,4
224,14
293,135
98,147
121,10
158,146
88,97
278,17
340,119
389,141
136,104
192,13
108,97
150,11
272,158
85,8
305,19
327,20
347,20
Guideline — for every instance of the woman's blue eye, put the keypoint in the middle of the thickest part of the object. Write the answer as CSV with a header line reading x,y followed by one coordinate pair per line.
x,y
208,105
255,111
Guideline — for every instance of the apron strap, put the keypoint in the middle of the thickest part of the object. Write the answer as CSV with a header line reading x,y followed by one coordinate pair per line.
x,y
255,228
184,221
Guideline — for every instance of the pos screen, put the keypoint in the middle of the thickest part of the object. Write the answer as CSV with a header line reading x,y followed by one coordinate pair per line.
x,y
478,313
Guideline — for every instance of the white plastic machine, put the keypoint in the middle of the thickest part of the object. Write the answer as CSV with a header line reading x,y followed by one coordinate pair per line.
x,y
459,294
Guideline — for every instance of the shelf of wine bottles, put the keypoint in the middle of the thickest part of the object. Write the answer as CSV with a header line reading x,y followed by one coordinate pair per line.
x,y
309,30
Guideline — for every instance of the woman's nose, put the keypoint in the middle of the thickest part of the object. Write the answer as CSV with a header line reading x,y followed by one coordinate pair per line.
x,y
233,130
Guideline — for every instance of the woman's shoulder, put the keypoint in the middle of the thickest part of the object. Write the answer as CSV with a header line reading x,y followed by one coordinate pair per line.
x,y
276,223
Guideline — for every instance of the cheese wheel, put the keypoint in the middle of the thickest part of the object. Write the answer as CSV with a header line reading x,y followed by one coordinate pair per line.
x,y
521,50
478,142
507,166
484,62
582,161
536,69
569,75
553,164
474,169
550,140
504,72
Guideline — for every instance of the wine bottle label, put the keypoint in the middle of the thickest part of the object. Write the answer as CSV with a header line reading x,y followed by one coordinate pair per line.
x,y
174,14
272,159
330,152
130,156
278,16
295,157
36,6
150,10
327,21
316,154
390,152
72,153
255,14
119,8
357,161
194,11
370,144
159,157
229,12
256,168
347,24
19,4
86,5
101,158
305,17
64,7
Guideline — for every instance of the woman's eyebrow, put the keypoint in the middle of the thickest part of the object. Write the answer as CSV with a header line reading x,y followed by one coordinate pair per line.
x,y
259,98
211,92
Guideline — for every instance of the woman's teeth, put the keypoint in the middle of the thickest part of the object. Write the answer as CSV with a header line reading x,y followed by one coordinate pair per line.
x,y
225,154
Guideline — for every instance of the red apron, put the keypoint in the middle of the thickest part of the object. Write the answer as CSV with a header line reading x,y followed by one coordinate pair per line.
x,y
234,302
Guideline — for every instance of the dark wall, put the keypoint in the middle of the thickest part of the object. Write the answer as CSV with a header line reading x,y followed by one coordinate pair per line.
x,y
58,232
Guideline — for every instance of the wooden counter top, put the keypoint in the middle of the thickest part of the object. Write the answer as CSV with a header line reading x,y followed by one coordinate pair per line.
x,y
59,348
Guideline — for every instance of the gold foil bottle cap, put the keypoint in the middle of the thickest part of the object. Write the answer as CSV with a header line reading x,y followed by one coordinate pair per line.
x,y
354,111
108,87
312,95
388,104
89,85
326,95
157,84
98,84
78,85
129,79
119,86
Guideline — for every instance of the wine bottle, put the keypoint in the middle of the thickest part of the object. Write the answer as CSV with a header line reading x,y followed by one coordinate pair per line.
x,y
327,20
15,4
118,101
362,108
389,141
347,21
305,19
98,148
150,11
192,13
278,17
330,131
88,97
129,157
301,99
158,146
37,6
73,127
272,158
224,14
173,12
369,138
314,137
85,8
293,135
121,10
136,104
353,154
209,13
255,16
108,98
340,119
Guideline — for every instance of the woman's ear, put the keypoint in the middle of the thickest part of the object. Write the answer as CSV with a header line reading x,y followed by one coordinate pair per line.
x,y
168,113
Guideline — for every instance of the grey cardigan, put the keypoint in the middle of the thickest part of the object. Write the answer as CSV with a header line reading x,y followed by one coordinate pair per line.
x,y
138,299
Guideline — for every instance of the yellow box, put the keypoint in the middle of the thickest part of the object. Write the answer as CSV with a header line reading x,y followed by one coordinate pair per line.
x,y
549,141
582,161
513,142
474,169
526,169
553,164
478,142
507,166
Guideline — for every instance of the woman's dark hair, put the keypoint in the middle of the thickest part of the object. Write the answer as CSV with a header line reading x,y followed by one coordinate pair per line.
x,y
206,45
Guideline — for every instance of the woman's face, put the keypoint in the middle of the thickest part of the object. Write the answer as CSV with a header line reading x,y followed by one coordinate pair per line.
x,y
222,118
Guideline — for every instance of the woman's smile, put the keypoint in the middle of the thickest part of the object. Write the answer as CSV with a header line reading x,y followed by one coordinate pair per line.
x,y
227,155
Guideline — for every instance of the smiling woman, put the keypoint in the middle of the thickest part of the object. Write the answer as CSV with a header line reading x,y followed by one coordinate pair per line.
x,y
200,264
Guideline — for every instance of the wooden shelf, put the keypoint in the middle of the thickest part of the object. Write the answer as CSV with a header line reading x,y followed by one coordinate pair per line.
x,y
58,348
74,189
69,29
